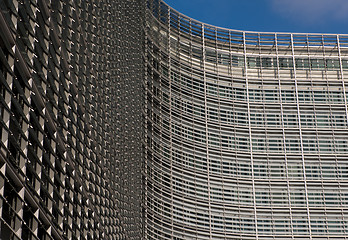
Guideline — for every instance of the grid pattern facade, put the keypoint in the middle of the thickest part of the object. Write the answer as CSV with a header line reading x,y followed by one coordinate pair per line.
x,y
128,120
246,132
70,119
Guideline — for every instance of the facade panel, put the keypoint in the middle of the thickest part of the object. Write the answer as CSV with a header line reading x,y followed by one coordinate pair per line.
x,y
70,166
246,132
129,120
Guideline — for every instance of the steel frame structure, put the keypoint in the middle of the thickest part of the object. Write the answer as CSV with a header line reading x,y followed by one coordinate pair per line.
x,y
71,119
129,120
247,132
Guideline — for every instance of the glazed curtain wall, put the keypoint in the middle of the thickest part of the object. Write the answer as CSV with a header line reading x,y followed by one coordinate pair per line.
x,y
70,119
246,132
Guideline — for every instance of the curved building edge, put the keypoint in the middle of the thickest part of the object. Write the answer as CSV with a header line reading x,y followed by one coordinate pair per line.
x,y
245,131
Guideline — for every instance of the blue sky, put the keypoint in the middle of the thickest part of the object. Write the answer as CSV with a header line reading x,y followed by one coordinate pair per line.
x,y
315,16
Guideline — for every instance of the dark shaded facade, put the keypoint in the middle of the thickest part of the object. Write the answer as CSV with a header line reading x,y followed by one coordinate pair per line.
x,y
71,120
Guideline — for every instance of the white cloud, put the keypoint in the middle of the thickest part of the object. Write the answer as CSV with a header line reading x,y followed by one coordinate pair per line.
x,y
312,11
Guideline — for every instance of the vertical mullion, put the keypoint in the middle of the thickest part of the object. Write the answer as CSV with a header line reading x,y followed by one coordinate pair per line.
x,y
206,127
250,136
342,76
146,119
284,138
170,122
345,97
301,139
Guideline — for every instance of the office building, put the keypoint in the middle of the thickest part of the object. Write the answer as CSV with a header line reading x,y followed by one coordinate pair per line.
x,y
247,132
130,120
71,119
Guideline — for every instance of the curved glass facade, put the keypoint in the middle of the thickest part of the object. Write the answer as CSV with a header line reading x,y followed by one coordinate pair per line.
x,y
128,120
246,132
